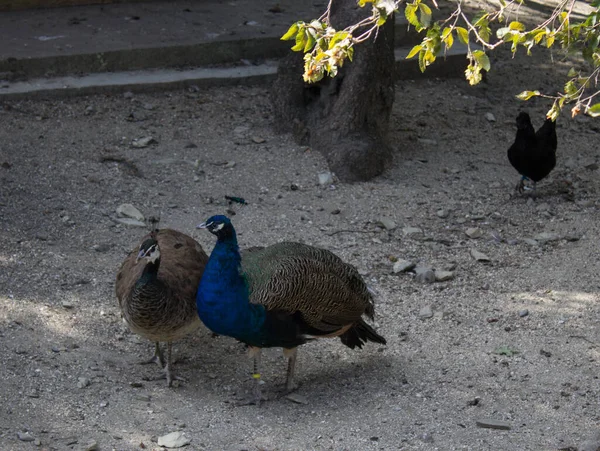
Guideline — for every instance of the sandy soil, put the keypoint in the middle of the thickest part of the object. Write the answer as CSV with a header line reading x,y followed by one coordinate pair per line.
x,y
67,165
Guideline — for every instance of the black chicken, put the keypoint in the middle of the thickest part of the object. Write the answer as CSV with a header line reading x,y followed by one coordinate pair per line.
x,y
533,154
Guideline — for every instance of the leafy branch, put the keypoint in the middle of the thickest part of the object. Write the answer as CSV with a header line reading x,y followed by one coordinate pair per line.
x,y
326,48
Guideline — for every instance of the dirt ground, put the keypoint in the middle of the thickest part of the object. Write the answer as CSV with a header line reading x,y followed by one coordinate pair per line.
x,y
515,339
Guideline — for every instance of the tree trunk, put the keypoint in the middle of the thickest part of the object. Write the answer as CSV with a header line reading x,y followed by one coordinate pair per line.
x,y
345,118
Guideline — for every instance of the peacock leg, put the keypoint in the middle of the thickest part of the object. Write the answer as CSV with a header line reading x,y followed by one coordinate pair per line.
x,y
168,364
255,352
291,354
157,357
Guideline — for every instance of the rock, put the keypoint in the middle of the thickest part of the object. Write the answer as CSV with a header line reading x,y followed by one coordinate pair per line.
x,y
128,95
325,178
336,211
474,232
572,238
25,437
490,117
442,213
258,139
424,274
530,241
91,446
412,232
129,211
148,106
37,442
387,223
493,424
523,313
544,206
402,266
130,222
570,163
191,145
145,141
102,247
67,305
90,110
297,398
479,256
443,276
585,203
546,237
145,398
174,440
426,312
82,382
229,164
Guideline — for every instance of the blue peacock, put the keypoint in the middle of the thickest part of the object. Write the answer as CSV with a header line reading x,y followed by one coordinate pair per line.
x,y
283,295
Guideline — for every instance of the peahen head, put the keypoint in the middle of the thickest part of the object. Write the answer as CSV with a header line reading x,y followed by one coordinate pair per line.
x,y
523,121
149,250
218,225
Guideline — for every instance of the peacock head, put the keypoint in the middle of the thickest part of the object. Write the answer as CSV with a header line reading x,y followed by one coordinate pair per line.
x,y
523,121
218,225
149,250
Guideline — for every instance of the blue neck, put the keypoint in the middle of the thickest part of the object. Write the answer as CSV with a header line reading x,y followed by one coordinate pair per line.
x,y
223,299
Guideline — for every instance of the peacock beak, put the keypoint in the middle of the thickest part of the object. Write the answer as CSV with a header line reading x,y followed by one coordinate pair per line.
x,y
201,226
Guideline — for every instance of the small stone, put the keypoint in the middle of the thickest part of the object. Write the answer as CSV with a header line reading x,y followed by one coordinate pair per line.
x,y
128,95
25,437
91,446
294,187
523,313
148,106
442,213
37,442
387,223
474,232
83,382
297,398
136,384
572,238
424,275
174,440
258,139
530,241
546,237
144,398
427,437
426,312
402,266
191,145
90,110
585,203
129,211
493,424
145,141
229,165
490,117
130,222
102,247
544,206
325,178
412,232
479,256
67,305
336,211
443,276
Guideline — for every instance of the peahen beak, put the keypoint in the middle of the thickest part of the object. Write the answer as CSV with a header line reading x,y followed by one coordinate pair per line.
x,y
140,254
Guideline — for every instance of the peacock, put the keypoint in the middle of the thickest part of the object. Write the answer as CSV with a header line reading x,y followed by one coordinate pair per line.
x,y
283,295
533,154
156,288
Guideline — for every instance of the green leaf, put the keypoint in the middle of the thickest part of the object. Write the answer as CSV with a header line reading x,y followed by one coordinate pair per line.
x,y
463,35
416,49
448,38
291,33
410,12
425,15
362,3
300,41
594,110
570,88
572,72
482,59
502,33
422,64
516,26
526,95
310,43
505,350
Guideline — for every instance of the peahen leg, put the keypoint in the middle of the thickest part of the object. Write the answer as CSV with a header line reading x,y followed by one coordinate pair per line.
x,y
168,364
157,357
291,354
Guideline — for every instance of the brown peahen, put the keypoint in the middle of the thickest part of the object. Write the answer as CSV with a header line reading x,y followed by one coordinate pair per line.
x,y
282,295
156,288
